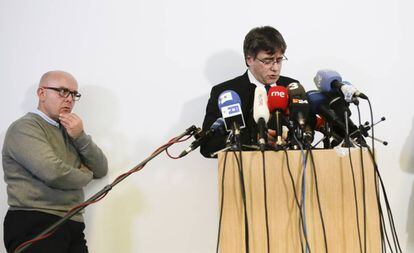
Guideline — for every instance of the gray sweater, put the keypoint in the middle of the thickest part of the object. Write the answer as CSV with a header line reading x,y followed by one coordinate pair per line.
x,y
41,166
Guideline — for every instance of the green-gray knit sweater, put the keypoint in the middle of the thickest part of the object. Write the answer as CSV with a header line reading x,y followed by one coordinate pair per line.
x,y
41,166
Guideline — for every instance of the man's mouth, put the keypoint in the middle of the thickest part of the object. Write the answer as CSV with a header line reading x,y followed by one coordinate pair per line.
x,y
65,109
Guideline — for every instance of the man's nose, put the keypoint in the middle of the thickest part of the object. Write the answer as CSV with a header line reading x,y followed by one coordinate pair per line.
x,y
275,66
69,98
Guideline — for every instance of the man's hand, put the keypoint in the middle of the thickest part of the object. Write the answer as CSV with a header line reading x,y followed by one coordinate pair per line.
x,y
272,137
85,169
72,123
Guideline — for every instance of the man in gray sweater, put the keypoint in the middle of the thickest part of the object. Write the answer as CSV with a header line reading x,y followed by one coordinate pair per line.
x,y
47,160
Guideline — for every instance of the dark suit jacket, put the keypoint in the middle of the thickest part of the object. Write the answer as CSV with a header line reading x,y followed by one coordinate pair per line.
x,y
242,86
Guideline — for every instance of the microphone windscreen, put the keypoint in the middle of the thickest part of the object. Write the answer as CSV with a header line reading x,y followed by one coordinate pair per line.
x,y
218,126
298,103
324,78
278,98
316,99
260,109
296,90
228,97
229,104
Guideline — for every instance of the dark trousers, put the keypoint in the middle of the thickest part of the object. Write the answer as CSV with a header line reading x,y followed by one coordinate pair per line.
x,y
21,226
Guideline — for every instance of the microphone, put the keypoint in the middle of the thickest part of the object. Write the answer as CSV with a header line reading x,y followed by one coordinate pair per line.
x,y
319,104
216,128
299,113
261,114
330,80
277,103
229,104
340,107
349,91
298,103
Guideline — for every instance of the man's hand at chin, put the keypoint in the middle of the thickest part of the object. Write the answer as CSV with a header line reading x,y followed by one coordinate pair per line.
x,y
72,123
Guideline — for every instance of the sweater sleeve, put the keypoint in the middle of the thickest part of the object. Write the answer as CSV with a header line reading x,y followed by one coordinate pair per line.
x,y
27,144
91,155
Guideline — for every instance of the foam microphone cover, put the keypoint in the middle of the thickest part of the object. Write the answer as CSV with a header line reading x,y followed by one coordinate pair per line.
x,y
278,98
324,79
296,90
228,97
260,109
298,103
316,100
218,127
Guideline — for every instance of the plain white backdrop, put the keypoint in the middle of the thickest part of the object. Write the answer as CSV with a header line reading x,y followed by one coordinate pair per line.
x,y
145,70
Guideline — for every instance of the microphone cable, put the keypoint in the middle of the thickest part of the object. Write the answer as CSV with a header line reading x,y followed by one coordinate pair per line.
x,y
103,193
378,177
372,129
389,212
318,199
243,193
299,205
265,201
222,200
364,204
303,187
383,229
355,198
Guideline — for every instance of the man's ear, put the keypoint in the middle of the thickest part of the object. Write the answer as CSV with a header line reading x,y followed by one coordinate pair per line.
x,y
41,93
249,60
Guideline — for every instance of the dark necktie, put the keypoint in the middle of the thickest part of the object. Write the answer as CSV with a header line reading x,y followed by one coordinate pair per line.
x,y
267,88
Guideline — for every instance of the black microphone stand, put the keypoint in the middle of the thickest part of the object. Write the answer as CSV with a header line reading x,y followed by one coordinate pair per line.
x,y
347,140
106,189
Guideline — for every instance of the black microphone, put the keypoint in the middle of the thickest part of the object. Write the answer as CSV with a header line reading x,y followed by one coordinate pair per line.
x,y
319,104
341,108
216,128
298,104
300,113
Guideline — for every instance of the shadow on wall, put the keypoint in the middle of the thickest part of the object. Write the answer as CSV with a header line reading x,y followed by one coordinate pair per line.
x,y
407,165
105,228
224,65
220,67
198,193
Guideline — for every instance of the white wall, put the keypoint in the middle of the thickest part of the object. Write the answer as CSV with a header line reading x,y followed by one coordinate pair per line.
x,y
145,70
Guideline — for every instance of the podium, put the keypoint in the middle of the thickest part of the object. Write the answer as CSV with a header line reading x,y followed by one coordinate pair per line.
x,y
337,197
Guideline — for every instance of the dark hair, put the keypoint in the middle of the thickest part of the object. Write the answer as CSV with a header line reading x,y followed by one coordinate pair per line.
x,y
265,38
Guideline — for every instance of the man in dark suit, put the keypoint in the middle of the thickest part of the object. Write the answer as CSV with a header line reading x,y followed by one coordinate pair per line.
x,y
264,51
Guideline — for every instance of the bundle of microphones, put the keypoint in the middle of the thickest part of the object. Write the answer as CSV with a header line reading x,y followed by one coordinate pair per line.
x,y
294,114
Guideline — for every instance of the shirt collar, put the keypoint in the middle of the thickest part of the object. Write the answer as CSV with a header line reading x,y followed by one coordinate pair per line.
x,y
254,81
46,118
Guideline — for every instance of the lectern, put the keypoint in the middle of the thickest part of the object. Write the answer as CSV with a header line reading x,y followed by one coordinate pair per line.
x,y
349,208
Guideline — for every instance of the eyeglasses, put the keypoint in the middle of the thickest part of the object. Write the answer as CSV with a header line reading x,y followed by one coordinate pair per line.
x,y
271,62
63,92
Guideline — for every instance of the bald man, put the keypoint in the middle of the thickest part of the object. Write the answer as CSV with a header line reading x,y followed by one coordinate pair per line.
x,y
47,160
